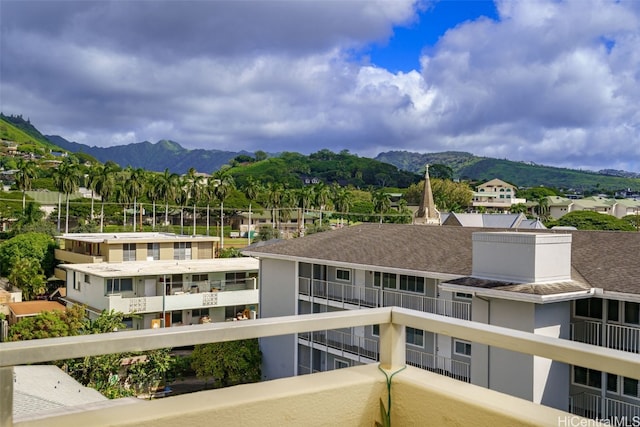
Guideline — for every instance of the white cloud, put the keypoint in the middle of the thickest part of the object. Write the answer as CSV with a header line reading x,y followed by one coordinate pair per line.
x,y
552,82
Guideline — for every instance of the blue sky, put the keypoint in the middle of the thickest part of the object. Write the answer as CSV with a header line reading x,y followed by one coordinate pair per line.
x,y
554,82
402,52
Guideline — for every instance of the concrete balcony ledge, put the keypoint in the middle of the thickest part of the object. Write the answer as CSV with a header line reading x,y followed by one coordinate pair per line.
x,y
346,397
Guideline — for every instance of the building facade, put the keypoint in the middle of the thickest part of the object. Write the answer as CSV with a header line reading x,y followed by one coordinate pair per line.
x,y
540,282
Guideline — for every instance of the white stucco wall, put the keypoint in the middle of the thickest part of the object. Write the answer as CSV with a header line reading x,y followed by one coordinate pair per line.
x,y
552,379
278,297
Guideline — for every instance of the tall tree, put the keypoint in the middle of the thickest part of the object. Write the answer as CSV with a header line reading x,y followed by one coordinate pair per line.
x,y
167,187
67,180
104,184
381,203
194,191
134,186
225,185
323,195
228,363
27,172
181,198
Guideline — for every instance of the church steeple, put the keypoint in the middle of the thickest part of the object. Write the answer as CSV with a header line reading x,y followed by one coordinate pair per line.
x,y
427,212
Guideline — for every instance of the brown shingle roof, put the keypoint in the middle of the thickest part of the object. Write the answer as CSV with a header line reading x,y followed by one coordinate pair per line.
x,y
601,259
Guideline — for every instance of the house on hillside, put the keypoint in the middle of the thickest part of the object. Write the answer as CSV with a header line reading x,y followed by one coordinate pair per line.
x,y
496,195
560,206
575,285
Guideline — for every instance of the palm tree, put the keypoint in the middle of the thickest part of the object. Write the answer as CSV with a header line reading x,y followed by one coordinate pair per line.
x,y
66,179
273,200
134,186
122,195
194,191
167,188
153,194
92,180
322,198
381,202
181,198
25,175
342,201
225,185
252,188
104,184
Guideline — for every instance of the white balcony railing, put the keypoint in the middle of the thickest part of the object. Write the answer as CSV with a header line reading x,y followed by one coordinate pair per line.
x,y
360,296
340,294
625,338
619,337
346,344
591,405
182,301
587,331
392,321
443,307
440,364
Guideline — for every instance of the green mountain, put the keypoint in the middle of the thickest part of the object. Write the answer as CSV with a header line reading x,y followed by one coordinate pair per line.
x,y
294,170
466,166
154,157
16,129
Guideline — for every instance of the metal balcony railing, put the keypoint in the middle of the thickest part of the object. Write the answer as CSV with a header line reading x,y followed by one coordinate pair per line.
x,y
360,296
587,331
344,343
619,337
439,364
625,338
443,307
340,293
392,349
592,405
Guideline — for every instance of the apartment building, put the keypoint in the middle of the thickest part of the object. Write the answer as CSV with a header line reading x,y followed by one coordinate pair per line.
x,y
155,294
496,195
156,279
543,282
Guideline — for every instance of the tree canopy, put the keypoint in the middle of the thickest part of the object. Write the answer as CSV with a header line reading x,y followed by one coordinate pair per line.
x,y
228,363
589,220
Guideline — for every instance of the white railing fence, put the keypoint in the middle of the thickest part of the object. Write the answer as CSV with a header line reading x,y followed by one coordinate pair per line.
x,y
392,321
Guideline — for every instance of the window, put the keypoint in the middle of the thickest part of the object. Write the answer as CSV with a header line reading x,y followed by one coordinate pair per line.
x,y
630,387
176,317
612,383
344,275
412,284
462,348
153,251
415,337
632,312
87,278
182,250
587,377
339,364
375,330
199,277
129,252
591,307
128,322
388,280
116,286
612,310
197,313
462,295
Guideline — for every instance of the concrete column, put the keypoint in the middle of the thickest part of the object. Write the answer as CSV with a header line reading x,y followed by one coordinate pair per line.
x,y
392,346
